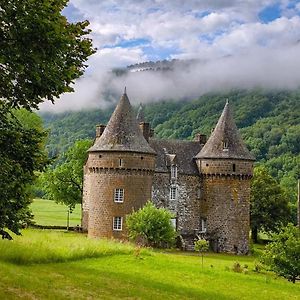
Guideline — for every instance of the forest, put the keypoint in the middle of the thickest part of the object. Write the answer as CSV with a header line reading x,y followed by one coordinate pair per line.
x,y
268,122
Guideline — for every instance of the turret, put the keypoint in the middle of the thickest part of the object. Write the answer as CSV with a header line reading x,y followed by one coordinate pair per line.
x,y
118,174
226,167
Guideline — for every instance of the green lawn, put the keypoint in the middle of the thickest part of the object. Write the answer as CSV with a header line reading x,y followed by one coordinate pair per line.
x,y
48,212
66,265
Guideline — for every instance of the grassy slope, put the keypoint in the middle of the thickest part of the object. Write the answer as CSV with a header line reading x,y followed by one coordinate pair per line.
x,y
48,212
29,269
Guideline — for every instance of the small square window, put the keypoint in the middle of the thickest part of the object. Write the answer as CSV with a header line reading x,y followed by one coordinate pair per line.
x,y
173,193
117,223
119,195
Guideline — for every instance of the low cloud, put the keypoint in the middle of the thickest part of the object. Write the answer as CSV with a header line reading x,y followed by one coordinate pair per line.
x,y
224,43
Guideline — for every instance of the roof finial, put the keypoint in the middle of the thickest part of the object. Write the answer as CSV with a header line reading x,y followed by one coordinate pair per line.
x,y
227,101
125,90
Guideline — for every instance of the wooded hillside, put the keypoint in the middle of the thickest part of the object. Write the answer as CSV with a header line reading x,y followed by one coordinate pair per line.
x,y
269,123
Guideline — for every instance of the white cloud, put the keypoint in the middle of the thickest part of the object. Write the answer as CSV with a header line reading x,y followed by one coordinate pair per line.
x,y
238,48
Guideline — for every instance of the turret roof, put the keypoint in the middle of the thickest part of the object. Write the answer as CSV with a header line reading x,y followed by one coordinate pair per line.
x,y
225,141
122,132
140,114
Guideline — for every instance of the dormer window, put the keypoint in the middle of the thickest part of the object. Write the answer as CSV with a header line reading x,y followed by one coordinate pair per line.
x,y
225,145
173,172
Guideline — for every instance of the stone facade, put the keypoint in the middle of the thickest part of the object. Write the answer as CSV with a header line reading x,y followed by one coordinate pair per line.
x,y
205,184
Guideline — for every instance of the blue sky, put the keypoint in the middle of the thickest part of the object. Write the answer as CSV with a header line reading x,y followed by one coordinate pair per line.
x,y
260,36
173,28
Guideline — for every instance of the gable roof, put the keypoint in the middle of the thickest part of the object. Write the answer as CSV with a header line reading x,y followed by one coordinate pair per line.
x,y
225,141
122,132
179,152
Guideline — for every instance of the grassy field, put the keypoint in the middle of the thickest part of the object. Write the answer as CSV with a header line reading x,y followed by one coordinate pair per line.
x,y
64,265
48,212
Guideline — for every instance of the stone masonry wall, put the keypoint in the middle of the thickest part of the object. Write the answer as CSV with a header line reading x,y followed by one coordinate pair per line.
x,y
186,207
225,166
107,171
227,210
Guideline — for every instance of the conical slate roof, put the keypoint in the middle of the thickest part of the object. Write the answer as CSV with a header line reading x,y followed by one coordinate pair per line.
x,y
225,141
140,114
122,132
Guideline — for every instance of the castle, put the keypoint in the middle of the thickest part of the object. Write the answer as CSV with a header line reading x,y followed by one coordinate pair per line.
x,y
205,184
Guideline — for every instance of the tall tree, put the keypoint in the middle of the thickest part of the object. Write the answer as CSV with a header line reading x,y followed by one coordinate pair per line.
x,y
64,184
269,204
22,153
41,53
282,255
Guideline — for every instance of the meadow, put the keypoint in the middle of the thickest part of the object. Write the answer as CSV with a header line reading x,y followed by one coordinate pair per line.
x,y
47,264
49,213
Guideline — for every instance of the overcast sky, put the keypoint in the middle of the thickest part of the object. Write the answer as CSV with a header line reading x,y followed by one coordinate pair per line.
x,y
245,44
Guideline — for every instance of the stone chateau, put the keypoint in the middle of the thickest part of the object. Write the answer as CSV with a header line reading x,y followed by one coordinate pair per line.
x,y
206,184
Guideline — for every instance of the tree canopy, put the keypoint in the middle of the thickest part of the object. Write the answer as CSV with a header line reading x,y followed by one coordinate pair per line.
x,y
64,183
22,153
151,226
41,53
282,255
269,205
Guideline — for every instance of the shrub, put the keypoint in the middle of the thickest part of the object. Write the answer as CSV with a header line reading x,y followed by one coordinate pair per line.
x,y
151,226
237,267
201,246
283,254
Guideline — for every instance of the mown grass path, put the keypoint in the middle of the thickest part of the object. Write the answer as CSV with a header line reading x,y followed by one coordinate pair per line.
x,y
59,265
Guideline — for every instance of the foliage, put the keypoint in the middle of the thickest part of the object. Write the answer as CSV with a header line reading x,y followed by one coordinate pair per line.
x,y
268,121
282,255
22,153
236,267
201,246
68,127
41,53
64,184
151,226
269,206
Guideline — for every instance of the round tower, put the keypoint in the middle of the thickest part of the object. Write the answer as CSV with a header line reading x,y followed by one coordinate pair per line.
x,y
226,167
118,174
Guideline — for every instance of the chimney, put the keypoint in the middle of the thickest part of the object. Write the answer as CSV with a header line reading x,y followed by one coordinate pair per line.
x,y
146,130
99,130
201,138
151,133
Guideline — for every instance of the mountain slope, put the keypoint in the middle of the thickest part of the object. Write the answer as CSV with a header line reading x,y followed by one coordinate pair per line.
x,y
269,123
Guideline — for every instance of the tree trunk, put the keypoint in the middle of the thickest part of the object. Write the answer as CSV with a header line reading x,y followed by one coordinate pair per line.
x,y
255,234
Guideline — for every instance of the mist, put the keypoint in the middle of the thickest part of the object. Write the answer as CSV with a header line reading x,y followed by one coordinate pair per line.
x,y
265,68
